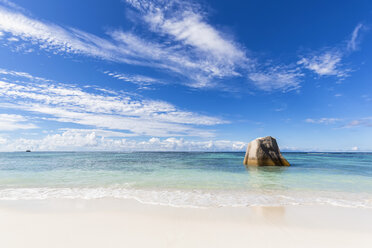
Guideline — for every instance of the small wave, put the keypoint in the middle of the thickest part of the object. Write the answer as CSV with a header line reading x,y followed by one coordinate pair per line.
x,y
194,198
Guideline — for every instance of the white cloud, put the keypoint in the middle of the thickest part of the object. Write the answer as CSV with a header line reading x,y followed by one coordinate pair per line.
x,y
127,48
92,140
13,39
323,120
199,68
97,132
185,23
22,74
329,61
277,78
179,41
354,123
325,64
355,148
363,122
219,60
182,43
53,37
71,104
11,122
352,43
11,5
136,79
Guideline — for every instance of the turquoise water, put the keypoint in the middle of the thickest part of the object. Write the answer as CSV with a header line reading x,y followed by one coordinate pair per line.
x,y
189,178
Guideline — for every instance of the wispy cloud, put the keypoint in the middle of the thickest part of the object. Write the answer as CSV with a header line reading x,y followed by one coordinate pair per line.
x,y
323,120
352,44
98,132
343,123
22,74
11,5
329,61
184,22
219,58
277,78
176,38
57,39
11,122
71,104
135,79
325,64
281,108
182,43
52,37
363,122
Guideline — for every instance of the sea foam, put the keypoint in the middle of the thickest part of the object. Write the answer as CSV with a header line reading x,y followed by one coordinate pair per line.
x,y
194,198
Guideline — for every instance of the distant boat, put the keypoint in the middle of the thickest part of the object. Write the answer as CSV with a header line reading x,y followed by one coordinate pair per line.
x,y
28,150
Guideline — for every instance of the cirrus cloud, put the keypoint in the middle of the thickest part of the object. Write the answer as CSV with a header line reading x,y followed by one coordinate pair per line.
x,y
11,122
71,104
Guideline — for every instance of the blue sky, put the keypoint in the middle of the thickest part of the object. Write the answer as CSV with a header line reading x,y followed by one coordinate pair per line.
x,y
185,75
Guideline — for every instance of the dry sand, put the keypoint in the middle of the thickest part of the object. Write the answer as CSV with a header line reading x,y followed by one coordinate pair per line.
x,y
125,223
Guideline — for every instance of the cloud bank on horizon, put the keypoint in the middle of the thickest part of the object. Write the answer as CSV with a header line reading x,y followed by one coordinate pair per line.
x,y
170,43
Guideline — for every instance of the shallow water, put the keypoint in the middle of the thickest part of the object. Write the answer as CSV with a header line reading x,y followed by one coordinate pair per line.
x,y
188,178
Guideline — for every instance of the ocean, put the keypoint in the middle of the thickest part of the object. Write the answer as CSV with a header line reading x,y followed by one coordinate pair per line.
x,y
189,179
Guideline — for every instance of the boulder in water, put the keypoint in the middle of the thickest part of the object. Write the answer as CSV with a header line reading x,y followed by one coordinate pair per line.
x,y
264,152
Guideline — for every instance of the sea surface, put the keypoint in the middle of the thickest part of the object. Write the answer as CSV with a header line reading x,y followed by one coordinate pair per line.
x,y
189,179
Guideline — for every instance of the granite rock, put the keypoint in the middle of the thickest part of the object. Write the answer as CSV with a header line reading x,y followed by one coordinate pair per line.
x,y
264,152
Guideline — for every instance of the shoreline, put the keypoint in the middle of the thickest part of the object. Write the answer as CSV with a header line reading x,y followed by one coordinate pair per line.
x,y
192,198
112,222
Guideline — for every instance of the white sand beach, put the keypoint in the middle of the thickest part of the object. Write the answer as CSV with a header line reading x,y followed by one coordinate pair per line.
x,y
127,223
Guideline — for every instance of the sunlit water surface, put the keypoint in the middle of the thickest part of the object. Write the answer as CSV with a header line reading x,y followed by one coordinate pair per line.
x,y
189,178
